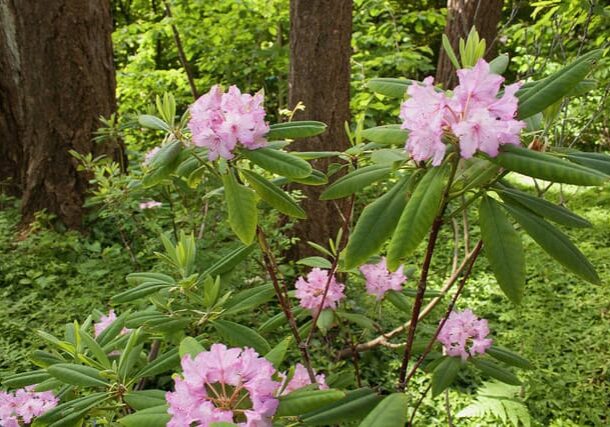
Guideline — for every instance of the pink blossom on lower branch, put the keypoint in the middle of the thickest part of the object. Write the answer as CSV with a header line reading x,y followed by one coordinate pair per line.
x,y
301,379
105,321
380,280
224,384
24,405
310,291
464,334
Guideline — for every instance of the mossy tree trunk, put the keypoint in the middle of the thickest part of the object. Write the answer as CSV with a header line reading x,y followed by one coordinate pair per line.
x,y
320,50
58,79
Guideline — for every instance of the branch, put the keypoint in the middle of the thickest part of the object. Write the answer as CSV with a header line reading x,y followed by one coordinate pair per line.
x,y
383,340
185,63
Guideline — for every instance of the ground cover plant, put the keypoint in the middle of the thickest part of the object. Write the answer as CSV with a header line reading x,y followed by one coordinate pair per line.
x,y
393,312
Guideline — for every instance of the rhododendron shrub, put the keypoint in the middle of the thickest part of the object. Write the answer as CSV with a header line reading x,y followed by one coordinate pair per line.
x,y
185,345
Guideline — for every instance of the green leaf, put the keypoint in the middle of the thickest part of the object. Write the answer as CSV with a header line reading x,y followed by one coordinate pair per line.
x,y
444,374
163,164
503,248
376,224
495,371
353,407
499,64
312,155
450,52
229,261
386,135
145,420
144,399
165,362
504,355
190,346
598,161
279,162
316,261
326,320
71,373
138,292
150,277
551,89
398,300
63,410
96,350
555,243
355,181
359,319
274,195
249,299
542,207
315,178
278,353
153,122
301,402
389,157
388,86
295,130
241,336
26,378
544,166
112,331
417,216
241,204
390,412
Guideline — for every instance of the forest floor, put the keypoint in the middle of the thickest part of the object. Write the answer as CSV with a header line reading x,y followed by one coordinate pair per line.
x,y
561,326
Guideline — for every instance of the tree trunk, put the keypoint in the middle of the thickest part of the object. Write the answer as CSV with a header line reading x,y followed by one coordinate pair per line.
x,y
320,49
461,16
58,59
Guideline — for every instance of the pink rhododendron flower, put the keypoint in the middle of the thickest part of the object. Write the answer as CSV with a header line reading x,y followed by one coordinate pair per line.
x,y
464,334
224,384
150,204
150,155
220,121
311,290
380,280
473,114
22,406
301,379
105,322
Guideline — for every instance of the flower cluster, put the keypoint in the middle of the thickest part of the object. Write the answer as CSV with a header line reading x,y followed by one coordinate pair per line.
x,y
221,120
150,155
380,280
301,379
310,291
474,115
224,385
105,322
464,334
150,204
22,406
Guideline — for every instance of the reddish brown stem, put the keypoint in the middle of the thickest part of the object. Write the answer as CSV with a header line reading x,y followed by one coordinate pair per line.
x,y
475,254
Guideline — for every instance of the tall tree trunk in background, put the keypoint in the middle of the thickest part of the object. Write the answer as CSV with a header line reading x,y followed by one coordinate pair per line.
x,y
58,78
461,16
320,49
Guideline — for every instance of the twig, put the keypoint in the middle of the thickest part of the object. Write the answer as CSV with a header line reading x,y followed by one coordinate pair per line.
x,y
333,269
282,296
423,278
382,340
448,408
418,404
475,254
181,54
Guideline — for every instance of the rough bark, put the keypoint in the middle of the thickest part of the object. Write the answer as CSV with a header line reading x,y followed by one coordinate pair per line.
x,y
320,36
58,55
461,16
